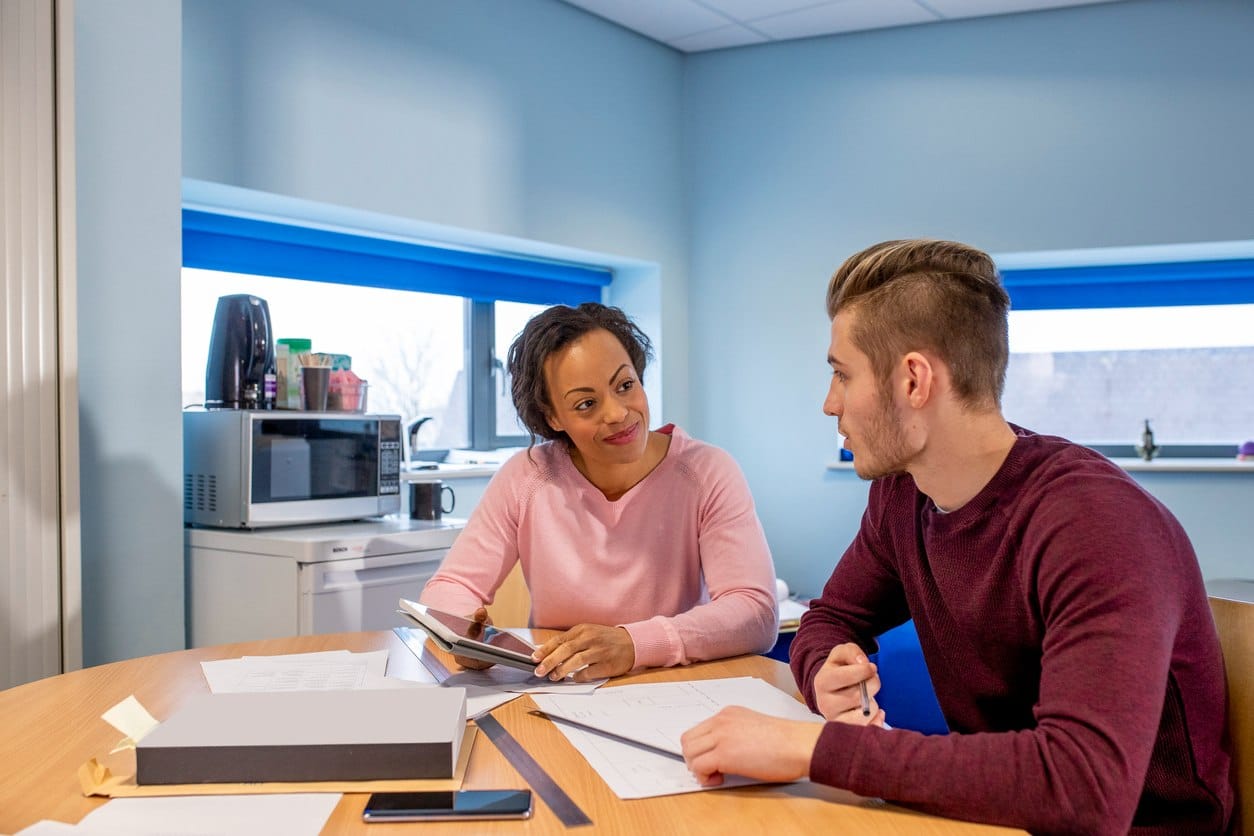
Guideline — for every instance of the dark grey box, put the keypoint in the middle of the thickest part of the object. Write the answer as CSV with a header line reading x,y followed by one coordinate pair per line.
x,y
360,735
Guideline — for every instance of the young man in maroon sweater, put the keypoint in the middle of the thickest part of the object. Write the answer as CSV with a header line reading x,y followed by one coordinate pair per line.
x,y
1059,606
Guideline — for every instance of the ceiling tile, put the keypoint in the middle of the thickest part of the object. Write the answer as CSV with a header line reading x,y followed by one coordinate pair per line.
x,y
749,9
662,20
843,16
731,35
979,8
695,25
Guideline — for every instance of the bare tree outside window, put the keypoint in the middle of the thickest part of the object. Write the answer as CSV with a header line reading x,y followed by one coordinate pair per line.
x,y
407,380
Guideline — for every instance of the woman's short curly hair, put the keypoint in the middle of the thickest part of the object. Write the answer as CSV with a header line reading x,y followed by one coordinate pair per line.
x,y
551,331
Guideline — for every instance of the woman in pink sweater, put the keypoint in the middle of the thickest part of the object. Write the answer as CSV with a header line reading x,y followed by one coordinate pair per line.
x,y
642,546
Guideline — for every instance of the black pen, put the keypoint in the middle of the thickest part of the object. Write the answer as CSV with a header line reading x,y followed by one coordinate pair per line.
x,y
866,701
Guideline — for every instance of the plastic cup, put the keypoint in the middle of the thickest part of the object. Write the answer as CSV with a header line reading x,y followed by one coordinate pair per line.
x,y
347,397
316,381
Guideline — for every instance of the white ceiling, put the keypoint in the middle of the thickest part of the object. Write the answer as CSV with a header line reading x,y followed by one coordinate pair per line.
x,y
697,25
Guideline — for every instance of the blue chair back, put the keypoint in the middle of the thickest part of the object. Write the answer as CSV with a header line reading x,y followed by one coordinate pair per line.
x,y
907,696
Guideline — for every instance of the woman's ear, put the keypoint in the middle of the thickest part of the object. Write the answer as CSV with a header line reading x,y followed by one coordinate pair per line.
x,y
552,421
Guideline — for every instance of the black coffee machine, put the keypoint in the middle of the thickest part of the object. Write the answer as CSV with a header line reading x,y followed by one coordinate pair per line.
x,y
241,369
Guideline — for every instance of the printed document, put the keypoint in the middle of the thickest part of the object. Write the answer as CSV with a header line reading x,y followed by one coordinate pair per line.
x,y
332,670
656,715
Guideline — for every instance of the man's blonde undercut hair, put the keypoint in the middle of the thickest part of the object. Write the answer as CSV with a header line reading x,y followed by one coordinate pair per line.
x,y
941,297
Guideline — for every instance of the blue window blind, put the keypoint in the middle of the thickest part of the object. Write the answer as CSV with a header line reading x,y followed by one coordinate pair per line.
x,y
1200,282
218,241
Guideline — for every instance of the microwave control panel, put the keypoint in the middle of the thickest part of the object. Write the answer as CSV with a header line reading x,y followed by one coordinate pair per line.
x,y
389,467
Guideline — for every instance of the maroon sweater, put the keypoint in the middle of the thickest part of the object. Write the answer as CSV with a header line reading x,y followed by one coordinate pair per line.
x,y
1064,623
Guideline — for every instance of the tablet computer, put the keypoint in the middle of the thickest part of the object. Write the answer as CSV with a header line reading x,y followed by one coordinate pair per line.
x,y
465,637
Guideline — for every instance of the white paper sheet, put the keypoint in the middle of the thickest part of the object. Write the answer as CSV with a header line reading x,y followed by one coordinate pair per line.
x,y
48,827
305,657
520,682
330,670
658,714
291,814
791,610
492,688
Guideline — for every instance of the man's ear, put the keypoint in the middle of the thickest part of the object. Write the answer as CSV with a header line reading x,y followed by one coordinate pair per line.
x,y
919,376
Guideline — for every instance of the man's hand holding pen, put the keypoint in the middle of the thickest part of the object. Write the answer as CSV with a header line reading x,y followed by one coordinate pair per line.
x,y
845,687
743,742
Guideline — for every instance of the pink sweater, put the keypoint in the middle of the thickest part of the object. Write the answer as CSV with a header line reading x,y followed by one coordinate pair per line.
x,y
680,560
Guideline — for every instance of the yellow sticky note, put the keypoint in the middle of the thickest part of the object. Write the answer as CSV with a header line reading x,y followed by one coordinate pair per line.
x,y
132,719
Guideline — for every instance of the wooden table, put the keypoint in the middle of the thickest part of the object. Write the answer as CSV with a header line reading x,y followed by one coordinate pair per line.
x,y
52,726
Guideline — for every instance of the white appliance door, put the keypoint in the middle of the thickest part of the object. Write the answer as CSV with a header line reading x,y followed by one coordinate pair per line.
x,y
346,596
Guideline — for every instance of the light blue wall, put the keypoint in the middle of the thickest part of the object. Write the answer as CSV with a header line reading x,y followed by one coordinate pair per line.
x,y
746,174
530,119
1214,509
127,129
1116,124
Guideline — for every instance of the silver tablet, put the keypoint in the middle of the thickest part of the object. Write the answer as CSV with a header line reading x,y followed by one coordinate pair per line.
x,y
465,637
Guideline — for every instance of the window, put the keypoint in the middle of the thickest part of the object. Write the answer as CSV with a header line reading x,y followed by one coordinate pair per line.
x,y
408,346
426,326
1102,341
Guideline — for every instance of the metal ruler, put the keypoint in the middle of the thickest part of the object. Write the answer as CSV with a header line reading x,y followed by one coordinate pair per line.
x,y
416,641
532,772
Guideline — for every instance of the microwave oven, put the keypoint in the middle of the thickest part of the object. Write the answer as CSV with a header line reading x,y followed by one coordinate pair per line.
x,y
260,468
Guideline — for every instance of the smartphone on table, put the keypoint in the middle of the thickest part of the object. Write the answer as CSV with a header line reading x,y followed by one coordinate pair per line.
x,y
458,805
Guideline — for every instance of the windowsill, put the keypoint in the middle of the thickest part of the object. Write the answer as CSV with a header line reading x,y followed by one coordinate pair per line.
x,y
1186,465
1164,465
443,472
459,464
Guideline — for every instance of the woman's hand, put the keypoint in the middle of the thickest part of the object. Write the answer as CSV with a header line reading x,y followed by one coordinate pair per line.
x,y
588,651
480,617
